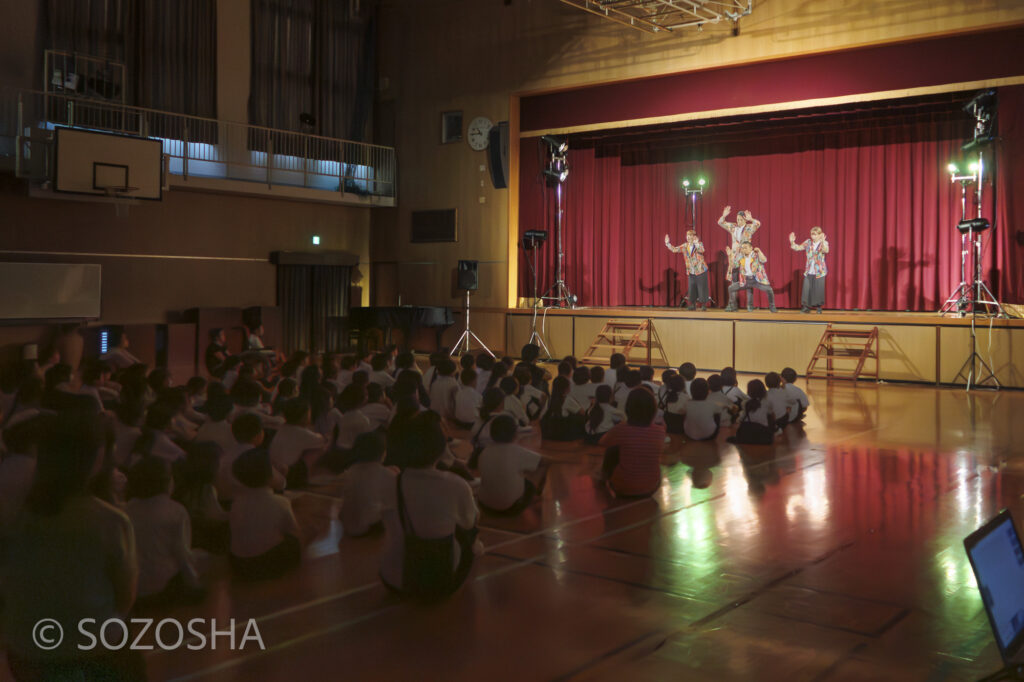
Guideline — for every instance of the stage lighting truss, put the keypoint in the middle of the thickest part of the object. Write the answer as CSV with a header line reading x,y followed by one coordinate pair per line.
x,y
656,16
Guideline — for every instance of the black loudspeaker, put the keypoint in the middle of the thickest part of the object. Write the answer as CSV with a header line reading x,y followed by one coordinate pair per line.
x,y
497,154
469,279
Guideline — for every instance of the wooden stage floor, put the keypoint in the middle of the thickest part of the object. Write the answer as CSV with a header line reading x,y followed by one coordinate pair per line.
x,y
834,555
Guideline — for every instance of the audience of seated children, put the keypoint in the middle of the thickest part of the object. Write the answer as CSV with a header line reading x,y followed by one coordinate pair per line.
x,y
628,380
217,428
264,534
70,556
467,400
377,408
363,485
757,423
196,492
564,418
632,460
498,372
296,447
442,389
248,432
674,405
779,402
510,475
155,439
163,537
602,415
794,393
703,416
647,379
493,404
430,520
532,398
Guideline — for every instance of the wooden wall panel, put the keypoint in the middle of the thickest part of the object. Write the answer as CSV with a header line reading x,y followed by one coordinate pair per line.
x,y
907,353
1005,354
763,347
688,340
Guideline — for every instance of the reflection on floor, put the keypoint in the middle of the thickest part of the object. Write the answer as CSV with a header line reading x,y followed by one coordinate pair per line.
x,y
835,554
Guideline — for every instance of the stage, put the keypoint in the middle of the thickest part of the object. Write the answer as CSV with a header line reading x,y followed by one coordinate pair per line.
x,y
913,347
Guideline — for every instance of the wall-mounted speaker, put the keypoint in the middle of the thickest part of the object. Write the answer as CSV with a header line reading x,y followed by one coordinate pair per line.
x,y
469,279
497,154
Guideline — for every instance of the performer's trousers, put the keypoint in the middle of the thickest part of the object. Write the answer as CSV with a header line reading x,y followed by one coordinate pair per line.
x,y
735,287
813,295
698,288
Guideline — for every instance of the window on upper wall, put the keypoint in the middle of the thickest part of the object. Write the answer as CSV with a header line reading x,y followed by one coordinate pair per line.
x,y
313,67
168,46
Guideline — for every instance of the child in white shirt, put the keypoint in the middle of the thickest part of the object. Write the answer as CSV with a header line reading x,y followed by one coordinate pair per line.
x,y
602,415
563,420
362,485
757,423
163,537
688,371
442,389
702,415
675,404
217,429
248,432
295,446
728,409
484,366
582,390
513,405
377,408
795,393
353,422
510,475
379,375
531,397
647,379
264,534
467,400
781,404
630,379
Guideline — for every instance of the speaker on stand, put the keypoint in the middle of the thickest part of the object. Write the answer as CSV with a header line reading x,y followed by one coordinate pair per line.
x,y
468,279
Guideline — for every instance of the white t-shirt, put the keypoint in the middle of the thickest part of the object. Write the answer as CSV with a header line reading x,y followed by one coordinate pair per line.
x,y
679,406
290,441
610,416
621,395
735,395
255,342
435,502
583,393
467,404
259,521
572,406
362,484
351,425
124,441
216,432
382,379
724,405
328,423
482,377
442,395
502,466
611,377
700,419
532,399
92,392
268,420
163,541
16,473
514,407
761,415
379,414
165,448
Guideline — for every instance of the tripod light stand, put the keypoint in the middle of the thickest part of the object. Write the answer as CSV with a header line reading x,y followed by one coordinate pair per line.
x,y
468,280
556,173
532,240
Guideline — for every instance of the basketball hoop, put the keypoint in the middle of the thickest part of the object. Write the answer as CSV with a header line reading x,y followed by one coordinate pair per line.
x,y
121,196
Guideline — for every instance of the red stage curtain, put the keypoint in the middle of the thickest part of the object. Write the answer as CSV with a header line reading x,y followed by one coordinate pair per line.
x,y
875,182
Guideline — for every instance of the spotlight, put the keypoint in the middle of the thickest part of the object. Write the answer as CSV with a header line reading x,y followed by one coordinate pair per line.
x,y
973,167
953,169
702,182
686,182
316,240
559,145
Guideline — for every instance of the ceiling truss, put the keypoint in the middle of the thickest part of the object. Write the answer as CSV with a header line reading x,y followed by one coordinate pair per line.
x,y
656,16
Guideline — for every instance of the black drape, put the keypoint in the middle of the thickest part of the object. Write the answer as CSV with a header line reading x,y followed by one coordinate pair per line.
x,y
312,299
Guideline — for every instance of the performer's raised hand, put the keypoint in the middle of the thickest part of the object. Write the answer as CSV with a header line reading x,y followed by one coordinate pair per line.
x,y
792,237
726,211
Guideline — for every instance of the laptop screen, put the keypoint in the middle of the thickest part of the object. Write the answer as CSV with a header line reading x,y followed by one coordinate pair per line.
x,y
998,560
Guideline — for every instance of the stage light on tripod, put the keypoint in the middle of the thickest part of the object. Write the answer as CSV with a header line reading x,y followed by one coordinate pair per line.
x,y
559,145
686,182
973,167
952,169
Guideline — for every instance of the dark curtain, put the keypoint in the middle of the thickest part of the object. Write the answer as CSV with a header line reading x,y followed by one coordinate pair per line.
x,y
876,182
316,57
313,299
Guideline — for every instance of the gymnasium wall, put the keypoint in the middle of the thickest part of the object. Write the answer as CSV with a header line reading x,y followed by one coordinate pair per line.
x,y
485,53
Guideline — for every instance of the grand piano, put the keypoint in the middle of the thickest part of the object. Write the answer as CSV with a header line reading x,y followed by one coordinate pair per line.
x,y
407,318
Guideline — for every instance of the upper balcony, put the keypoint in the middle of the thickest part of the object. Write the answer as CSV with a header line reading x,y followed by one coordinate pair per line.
x,y
201,153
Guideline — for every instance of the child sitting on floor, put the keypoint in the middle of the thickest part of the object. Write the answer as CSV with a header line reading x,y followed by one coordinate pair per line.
x,y
602,415
199,497
582,390
675,404
467,400
505,471
729,410
757,422
264,534
779,402
563,420
513,406
377,408
794,393
163,537
632,460
362,485
702,415
296,446
688,371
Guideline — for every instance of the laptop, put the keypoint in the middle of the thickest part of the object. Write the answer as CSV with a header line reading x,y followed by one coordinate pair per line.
x,y
997,558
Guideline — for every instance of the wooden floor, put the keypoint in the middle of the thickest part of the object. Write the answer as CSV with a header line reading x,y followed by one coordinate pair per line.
x,y
834,555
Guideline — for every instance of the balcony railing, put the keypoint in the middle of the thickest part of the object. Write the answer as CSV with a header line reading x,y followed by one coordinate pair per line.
x,y
199,147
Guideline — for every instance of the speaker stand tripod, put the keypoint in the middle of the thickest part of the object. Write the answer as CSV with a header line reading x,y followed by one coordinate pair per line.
x,y
467,335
